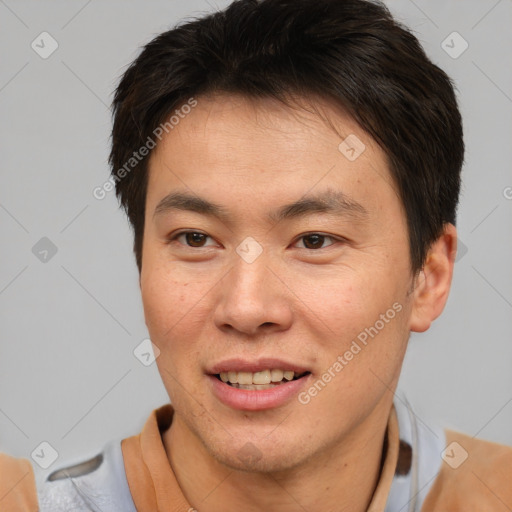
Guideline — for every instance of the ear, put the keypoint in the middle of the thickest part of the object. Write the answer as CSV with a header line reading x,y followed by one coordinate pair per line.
x,y
432,284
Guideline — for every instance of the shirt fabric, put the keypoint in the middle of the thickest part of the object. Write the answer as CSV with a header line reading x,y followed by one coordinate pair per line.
x,y
153,484
424,469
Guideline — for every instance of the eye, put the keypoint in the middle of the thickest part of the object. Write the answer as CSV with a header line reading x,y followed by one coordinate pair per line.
x,y
191,239
315,241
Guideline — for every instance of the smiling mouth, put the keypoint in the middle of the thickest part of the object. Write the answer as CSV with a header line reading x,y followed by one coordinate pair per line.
x,y
257,381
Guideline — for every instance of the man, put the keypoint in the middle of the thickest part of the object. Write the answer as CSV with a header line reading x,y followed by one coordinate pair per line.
x,y
291,170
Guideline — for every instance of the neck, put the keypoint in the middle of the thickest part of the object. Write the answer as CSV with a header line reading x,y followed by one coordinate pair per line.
x,y
342,477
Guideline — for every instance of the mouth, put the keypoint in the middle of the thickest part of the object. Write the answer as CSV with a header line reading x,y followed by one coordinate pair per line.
x,y
261,380
262,384
257,387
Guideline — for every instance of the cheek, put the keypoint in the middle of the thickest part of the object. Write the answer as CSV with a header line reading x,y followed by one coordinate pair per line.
x,y
174,319
364,333
171,302
361,361
345,301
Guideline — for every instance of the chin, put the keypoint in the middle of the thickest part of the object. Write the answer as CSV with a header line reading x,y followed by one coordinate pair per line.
x,y
265,456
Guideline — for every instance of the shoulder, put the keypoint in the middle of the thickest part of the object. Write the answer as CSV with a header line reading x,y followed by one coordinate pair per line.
x,y
17,485
475,475
97,483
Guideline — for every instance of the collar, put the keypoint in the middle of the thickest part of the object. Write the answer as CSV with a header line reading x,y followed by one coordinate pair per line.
x,y
419,460
411,462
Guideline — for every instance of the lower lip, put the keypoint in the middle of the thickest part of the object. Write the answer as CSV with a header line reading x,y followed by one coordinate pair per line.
x,y
253,400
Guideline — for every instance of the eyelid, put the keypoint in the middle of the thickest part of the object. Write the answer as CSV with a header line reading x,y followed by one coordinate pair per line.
x,y
173,237
325,235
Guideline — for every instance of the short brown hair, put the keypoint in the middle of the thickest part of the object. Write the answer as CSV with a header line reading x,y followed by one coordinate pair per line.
x,y
350,51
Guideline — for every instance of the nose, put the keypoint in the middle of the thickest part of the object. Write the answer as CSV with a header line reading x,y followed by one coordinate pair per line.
x,y
253,298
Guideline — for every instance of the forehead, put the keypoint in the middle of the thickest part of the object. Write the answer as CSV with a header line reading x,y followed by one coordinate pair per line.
x,y
222,120
229,147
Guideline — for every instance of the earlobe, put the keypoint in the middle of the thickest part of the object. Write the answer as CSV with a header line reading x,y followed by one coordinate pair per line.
x,y
432,284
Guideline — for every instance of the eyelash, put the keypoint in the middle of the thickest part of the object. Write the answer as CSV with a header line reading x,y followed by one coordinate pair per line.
x,y
174,237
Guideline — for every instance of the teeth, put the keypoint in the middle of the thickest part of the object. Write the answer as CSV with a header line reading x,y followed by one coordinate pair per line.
x,y
276,375
263,378
244,378
255,387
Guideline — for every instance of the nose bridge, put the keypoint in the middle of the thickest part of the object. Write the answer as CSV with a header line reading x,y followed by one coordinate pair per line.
x,y
249,279
252,296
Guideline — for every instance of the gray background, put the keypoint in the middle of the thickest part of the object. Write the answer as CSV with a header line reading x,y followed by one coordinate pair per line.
x,y
69,324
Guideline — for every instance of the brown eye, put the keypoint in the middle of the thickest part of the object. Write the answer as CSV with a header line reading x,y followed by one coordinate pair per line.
x,y
192,239
195,239
315,241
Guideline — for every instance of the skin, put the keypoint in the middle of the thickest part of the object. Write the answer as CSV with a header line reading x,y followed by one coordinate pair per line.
x,y
204,304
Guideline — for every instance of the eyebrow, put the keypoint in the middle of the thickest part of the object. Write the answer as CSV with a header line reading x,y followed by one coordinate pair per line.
x,y
329,201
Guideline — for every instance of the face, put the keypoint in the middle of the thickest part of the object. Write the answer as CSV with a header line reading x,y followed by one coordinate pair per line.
x,y
268,247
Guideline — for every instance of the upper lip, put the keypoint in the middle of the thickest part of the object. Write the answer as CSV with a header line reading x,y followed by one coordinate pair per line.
x,y
265,363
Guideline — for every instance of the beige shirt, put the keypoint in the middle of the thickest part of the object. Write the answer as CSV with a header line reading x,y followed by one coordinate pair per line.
x,y
153,484
17,485
482,483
